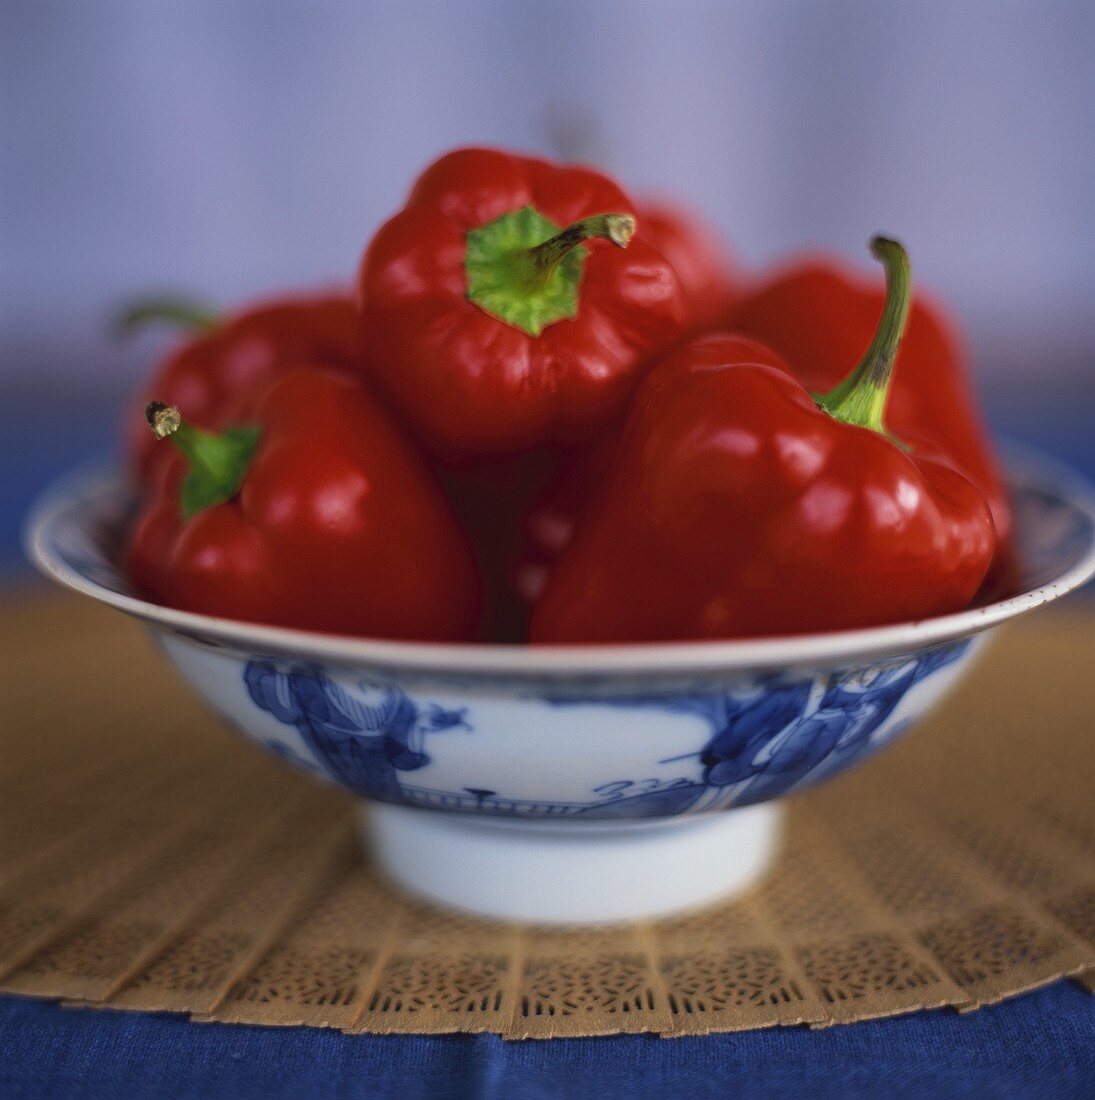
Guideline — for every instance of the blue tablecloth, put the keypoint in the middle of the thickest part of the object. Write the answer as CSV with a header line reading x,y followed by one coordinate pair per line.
x,y
1039,1045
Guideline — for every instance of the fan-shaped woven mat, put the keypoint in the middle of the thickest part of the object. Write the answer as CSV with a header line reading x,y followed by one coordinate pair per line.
x,y
150,860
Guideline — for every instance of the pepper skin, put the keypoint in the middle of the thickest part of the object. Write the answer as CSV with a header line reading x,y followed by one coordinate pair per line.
x,y
819,316
741,506
703,266
550,515
316,513
203,375
491,326
490,497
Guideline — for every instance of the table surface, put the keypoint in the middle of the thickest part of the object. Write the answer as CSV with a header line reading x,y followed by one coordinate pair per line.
x,y
1040,1044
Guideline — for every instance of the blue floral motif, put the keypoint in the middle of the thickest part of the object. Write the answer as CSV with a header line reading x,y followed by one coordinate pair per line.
x,y
776,733
362,741
780,734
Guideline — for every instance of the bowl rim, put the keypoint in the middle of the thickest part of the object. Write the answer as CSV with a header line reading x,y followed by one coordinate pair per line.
x,y
1026,466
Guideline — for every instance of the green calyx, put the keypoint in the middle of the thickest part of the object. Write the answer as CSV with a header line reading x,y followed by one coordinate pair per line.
x,y
861,398
184,313
218,461
525,270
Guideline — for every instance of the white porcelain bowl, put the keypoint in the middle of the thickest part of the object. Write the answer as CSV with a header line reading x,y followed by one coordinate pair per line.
x,y
579,783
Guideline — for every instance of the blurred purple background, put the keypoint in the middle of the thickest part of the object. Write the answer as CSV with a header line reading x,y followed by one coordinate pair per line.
x,y
230,147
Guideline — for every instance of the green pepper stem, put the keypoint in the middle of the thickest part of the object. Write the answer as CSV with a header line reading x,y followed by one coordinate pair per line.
x,y
526,271
860,398
218,461
184,313
546,257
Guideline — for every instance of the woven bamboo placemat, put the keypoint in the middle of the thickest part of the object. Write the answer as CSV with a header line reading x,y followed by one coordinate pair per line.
x,y
150,860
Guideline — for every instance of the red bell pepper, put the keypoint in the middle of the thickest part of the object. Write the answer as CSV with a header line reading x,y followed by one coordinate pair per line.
x,y
703,266
819,317
203,376
739,505
314,512
494,320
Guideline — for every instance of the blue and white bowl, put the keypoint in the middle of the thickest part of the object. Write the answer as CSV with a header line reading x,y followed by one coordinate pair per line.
x,y
579,783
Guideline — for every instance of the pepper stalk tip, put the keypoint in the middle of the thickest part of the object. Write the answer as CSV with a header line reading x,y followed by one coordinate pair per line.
x,y
620,229
890,252
163,419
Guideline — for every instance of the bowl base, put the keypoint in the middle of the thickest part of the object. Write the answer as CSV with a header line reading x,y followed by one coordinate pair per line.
x,y
553,872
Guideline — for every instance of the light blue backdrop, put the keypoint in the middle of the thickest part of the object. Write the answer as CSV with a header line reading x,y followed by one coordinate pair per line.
x,y
232,146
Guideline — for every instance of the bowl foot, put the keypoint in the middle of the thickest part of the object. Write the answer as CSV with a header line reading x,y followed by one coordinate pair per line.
x,y
565,872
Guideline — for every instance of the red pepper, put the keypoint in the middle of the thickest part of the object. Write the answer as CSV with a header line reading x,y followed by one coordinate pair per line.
x,y
550,514
495,322
703,266
819,317
739,505
205,374
316,513
490,497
